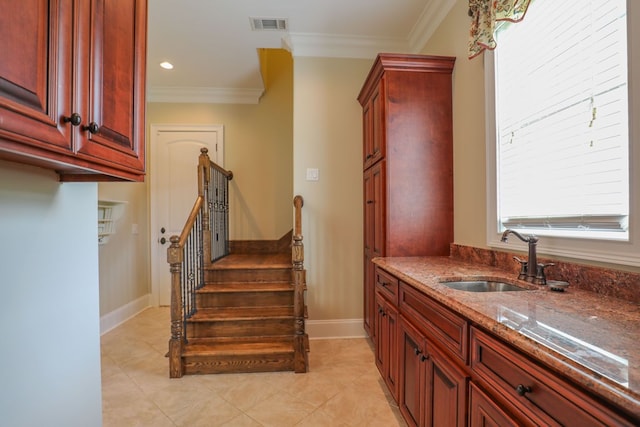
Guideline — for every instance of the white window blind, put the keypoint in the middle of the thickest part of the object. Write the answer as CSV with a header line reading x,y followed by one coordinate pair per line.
x,y
562,119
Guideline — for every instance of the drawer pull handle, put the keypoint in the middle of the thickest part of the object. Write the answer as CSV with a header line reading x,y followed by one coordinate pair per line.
x,y
523,389
385,284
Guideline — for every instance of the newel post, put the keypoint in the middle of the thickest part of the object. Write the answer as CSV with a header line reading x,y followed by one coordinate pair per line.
x,y
204,186
299,280
175,258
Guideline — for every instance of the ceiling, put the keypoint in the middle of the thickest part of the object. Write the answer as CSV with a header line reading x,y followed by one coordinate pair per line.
x,y
213,47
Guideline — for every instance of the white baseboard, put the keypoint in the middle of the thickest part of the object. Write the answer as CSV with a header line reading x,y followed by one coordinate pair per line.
x,y
334,329
118,316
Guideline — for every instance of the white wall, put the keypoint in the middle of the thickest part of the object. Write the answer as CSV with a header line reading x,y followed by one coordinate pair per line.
x,y
49,311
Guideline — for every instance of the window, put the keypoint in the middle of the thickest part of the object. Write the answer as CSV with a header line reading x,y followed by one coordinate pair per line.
x,y
559,152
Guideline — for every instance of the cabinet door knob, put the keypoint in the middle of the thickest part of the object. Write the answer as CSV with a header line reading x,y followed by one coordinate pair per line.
x,y
74,119
92,127
424,357
523,389
417,351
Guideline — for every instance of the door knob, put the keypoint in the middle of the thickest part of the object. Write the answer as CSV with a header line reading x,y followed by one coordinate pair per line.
x,y
92,128
74,119
163,240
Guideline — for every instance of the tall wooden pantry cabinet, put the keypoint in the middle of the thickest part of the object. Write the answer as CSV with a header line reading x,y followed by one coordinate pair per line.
x,y
408,162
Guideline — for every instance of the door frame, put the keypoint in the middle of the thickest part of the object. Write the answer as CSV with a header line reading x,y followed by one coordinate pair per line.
x,y
154,128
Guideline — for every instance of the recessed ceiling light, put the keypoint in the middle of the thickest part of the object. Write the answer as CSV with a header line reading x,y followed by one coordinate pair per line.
x,y
166,65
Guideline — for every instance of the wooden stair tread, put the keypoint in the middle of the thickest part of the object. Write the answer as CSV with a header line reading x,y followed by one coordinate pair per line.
x,y
252,346
241,313
245,287
252,261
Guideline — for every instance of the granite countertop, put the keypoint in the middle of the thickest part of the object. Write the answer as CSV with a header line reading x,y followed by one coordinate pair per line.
x,y
593,339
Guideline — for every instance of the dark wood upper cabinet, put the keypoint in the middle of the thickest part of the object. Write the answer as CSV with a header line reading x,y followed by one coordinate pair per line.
x,y
72,87
35,76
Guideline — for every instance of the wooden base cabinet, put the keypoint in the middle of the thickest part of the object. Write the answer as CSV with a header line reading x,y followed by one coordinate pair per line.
x,y
72,86
451,373
433,389
407,161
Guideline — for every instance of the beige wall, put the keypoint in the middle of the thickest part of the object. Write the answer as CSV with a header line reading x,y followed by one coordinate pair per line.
x,y
470,189
328,136
258,150
124,259
469,169
309,118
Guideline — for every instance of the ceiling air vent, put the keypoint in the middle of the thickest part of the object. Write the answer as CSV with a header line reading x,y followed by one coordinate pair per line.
x,y
275,24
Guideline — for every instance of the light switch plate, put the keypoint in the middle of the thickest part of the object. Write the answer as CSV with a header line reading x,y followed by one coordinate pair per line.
x,y
312,174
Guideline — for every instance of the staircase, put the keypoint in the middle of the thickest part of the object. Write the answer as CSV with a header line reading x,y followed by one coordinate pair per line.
x,y
244,311
244,320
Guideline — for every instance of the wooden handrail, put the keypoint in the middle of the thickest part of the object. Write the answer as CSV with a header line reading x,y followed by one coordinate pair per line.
x,y
220,169
191,220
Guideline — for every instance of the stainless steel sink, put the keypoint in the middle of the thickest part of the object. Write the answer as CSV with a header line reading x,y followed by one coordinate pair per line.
x,y
482,286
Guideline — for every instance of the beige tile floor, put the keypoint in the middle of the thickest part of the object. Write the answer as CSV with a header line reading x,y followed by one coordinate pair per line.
x,y
343,387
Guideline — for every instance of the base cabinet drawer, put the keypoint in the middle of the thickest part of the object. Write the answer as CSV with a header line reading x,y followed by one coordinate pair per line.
x,y
443,325
534,391
387,285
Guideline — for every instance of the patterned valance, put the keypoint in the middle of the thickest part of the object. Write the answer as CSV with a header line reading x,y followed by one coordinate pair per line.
x,y
485,14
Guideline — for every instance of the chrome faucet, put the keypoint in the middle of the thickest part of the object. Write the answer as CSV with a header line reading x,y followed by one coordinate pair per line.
x,y
533,272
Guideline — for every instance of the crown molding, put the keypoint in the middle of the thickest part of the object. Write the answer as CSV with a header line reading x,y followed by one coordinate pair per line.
x,y
344,46
432,16
340,46
204,95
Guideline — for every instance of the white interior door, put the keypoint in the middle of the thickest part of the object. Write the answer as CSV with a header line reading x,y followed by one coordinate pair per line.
x,y
174,189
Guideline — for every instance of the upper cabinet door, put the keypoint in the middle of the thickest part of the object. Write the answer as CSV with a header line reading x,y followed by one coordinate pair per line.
x,y
114,85
373,122
35,76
